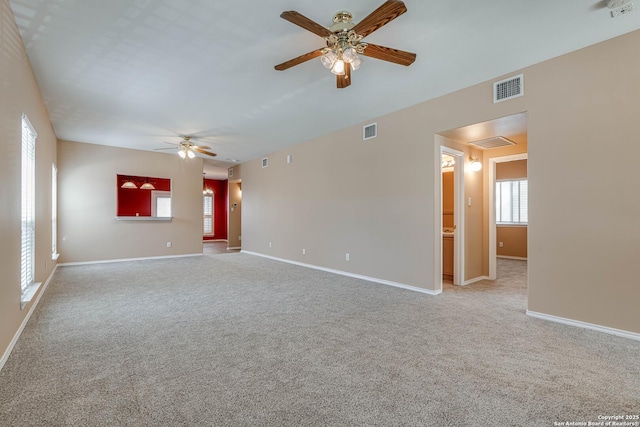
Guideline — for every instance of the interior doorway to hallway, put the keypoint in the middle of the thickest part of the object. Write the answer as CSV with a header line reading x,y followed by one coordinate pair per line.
x,y
479,143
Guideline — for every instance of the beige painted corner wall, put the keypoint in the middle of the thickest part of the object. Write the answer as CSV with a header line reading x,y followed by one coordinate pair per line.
x,y
376,199
88,229
19,93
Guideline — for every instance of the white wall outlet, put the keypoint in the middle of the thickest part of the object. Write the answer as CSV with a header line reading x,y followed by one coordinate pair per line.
x,y
269,244
469,201
240,238
346,257
168,244
289,158
501,244
304,251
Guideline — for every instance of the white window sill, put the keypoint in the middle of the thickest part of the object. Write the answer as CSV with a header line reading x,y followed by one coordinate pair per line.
x,y
27,294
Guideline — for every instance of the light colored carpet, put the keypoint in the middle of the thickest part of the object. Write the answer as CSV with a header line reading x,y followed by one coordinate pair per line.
x,y
236,340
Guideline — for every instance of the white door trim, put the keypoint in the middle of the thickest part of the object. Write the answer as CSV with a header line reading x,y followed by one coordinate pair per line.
x,y
458,215
492,207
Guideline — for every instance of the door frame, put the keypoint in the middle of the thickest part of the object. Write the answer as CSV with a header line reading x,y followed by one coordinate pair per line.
x,y
458,215
493,251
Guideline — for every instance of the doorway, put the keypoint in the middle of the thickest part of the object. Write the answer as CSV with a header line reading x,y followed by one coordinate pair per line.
x,y
451,216
478,144
493,224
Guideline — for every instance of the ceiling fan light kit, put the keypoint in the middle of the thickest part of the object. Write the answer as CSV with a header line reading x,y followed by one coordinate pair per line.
x,y
344,41
186,148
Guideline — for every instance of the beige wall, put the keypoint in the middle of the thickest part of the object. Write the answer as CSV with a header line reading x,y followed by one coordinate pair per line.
x,y
234,237
376,199
447,199
513,238
88,229
19,93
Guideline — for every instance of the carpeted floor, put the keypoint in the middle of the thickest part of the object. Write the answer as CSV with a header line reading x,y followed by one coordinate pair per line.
x,y
237,340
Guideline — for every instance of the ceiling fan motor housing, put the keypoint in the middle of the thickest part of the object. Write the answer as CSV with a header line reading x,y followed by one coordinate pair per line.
x,y
342,21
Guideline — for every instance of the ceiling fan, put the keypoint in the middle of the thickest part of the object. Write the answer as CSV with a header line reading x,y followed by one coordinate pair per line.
x,y
186,148
344,41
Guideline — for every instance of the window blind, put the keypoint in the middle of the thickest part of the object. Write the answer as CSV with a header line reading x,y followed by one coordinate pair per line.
x,y
28,204
512,201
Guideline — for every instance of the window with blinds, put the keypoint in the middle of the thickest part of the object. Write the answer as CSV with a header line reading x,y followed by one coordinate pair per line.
x,y
28,204
512,202
207,217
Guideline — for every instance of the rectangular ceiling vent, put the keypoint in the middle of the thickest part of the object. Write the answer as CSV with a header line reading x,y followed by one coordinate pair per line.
x,y
512,87
265,162
369,131
495,142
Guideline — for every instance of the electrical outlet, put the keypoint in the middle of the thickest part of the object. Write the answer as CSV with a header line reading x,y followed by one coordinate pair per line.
x,y
304,251
502,244
168,244
346,257
269,244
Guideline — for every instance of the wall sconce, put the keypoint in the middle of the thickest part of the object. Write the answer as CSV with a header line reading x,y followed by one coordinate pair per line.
x,y
476,164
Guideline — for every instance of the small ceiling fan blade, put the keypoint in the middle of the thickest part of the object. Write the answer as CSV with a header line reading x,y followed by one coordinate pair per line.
x,y
201,147
168,148
388,54
306,23
344,81
299,60
207,153
386,13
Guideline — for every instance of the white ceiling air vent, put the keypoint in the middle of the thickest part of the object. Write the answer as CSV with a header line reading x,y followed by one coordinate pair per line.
x,y
369,131
512,87
265,162
495,142
620,7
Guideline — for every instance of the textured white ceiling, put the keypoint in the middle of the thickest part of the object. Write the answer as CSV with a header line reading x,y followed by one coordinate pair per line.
x,y
135,73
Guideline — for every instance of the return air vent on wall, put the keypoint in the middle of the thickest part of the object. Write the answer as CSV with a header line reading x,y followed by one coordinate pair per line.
x,y
510,88
369,131
495,142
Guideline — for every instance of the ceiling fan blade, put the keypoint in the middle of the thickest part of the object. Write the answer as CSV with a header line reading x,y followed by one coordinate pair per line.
x,y
306,23
168,148
386,13
344,81
201,147
207,153
388,54
299,60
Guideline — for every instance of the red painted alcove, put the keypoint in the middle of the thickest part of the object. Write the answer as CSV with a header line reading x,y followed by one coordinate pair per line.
x,y
132,201
219,188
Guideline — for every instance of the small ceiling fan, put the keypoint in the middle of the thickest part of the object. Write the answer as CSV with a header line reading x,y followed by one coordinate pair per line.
x,y
344,41
186,148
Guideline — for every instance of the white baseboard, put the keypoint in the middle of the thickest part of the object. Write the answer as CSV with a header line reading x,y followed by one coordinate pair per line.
x,y
345,273
16,336
585,325
511,257
476,279
106,261
214,240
